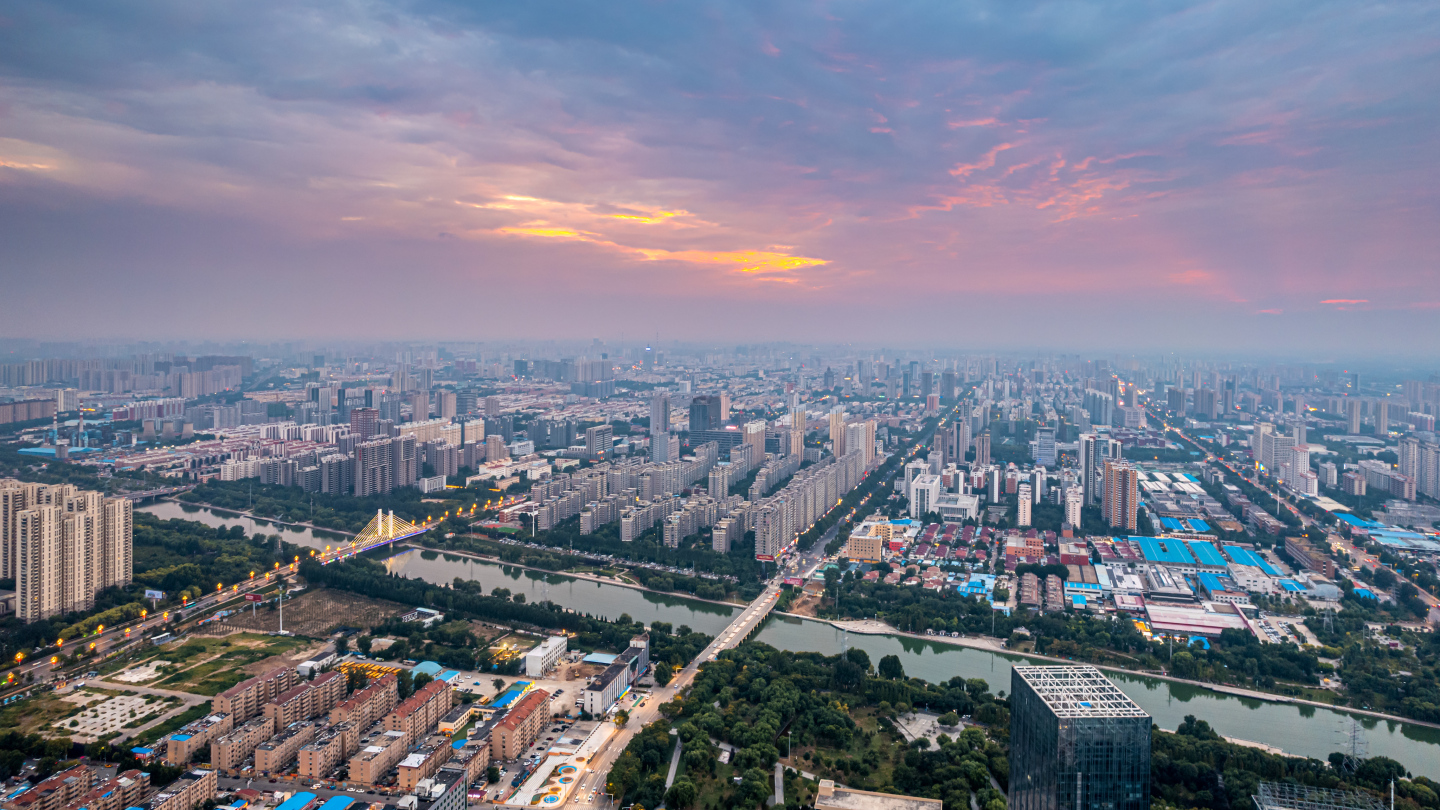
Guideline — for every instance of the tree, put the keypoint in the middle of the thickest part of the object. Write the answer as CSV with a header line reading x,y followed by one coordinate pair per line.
x,y
355,679
499,684
363,643
682,794
859,656
949,719
891,668
492,774
621,718
663,674
754,788
342,645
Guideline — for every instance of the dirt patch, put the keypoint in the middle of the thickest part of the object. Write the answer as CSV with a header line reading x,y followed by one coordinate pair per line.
x,y
805,605
317,613
579,672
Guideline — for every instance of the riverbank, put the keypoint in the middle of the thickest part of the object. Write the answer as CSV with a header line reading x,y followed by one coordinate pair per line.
x,y
994,645
256,518
470,555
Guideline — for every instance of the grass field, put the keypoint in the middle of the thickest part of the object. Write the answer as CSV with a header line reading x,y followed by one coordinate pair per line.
x,y
37,713
209,666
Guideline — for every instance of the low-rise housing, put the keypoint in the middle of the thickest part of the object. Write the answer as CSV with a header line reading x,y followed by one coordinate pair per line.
x,y
56,792
331,746
422,711
229,751
275,754
519,727
245,699
366,706
423,762
181,746
377,754
191,790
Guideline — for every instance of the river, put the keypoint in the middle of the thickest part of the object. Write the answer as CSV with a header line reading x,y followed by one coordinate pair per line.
x,y
299,535
1298,730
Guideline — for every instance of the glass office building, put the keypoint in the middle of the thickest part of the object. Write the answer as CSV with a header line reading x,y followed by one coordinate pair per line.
x,y
1076,742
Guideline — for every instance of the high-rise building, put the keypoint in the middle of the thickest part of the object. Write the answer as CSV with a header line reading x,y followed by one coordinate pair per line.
x,y
1122,495
492,407
495,449
364,422
420,406
1045,446
65,546
947,386
1352,414
1023,505
372,471
1095,450
705,413
1074,501
982,449
599,440
1382,417
837,431
1076,742
755,437
660,429
445,404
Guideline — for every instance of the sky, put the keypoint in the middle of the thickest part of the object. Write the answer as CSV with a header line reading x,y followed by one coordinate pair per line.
x,y
1153,175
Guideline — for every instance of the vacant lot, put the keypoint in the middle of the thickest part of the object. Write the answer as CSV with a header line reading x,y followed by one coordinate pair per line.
x,y
209,666
317,614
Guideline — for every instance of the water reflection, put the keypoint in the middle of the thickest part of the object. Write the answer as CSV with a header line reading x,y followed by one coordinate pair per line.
x,y
310,538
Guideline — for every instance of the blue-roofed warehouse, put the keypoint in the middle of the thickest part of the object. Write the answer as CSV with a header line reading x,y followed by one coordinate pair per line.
x,y
1158,550
1244,556
1206,554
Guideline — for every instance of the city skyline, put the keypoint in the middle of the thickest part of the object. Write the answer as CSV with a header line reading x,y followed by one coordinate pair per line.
x,y
1220,177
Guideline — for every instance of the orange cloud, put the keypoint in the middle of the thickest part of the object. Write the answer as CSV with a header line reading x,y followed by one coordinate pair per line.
x,y
1346,301
986,162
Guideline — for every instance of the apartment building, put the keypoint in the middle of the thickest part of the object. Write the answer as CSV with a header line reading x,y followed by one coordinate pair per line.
x,y
62,545
519,727
423,762
188,792
331,746
56,792
306,699
245,699
368,705
229,752
275,754
377,754
472,759
181,746
421,711
117,793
